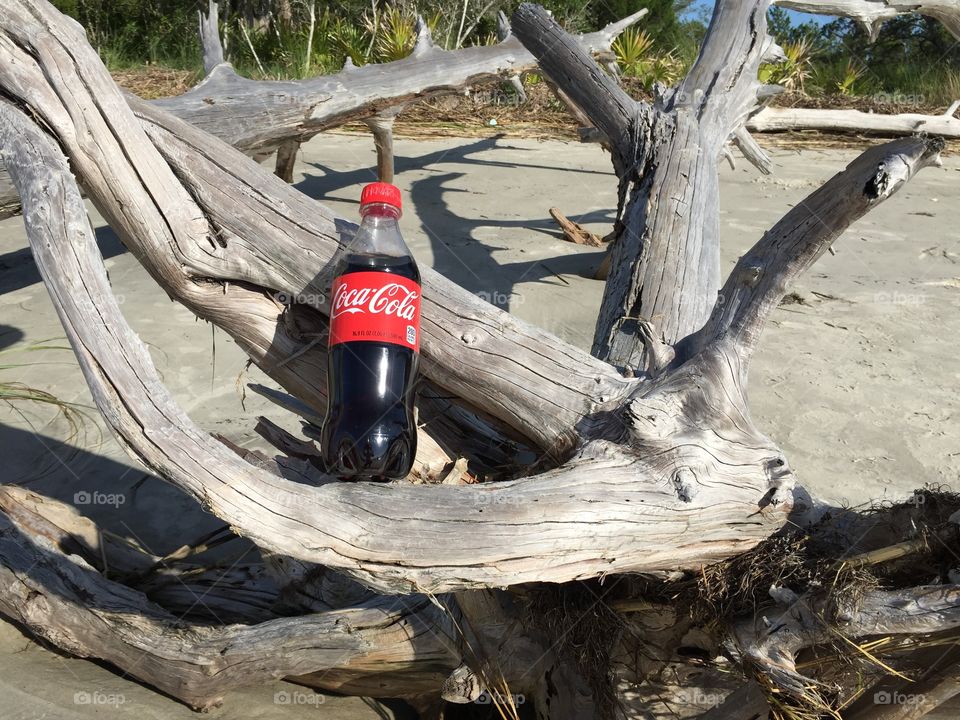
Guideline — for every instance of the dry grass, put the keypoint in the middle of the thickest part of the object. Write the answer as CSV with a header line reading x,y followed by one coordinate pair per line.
x,y
151,82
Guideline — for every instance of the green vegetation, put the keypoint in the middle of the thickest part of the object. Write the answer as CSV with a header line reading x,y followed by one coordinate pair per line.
x,y
914,61
637,59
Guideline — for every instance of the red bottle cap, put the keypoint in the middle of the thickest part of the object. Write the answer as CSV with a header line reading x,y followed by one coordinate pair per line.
x,y
380,192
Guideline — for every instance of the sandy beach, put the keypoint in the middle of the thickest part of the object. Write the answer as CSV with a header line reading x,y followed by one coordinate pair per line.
x,y
856,378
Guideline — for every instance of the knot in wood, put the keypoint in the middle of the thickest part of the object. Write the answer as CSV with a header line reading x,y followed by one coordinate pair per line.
x,y
685,484
462,686
751,275
468,338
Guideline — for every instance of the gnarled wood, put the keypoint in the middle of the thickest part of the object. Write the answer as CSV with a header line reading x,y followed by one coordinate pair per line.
x,y
383,645
665,267
771,644
657,474
390,546
765,272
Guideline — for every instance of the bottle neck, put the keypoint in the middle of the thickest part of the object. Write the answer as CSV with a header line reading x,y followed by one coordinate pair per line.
x,y
379,232
379,214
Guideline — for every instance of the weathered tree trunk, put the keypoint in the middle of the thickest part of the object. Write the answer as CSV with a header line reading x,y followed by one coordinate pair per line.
x,y
665,266
642,480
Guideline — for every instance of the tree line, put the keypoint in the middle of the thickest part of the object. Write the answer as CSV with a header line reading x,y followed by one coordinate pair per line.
x,y
914,59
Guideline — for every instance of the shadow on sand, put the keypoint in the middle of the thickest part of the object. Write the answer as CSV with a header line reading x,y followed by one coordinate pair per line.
x,y
457,252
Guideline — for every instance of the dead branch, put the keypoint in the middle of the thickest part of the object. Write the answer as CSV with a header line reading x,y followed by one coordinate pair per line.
x,y
873,13
779,119
763,275
387,644
658,474
574,232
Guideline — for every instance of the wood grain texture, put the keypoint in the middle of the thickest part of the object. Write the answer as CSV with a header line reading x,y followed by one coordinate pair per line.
x,y
771,643
656,475
411,538
224,264
383,645
665,264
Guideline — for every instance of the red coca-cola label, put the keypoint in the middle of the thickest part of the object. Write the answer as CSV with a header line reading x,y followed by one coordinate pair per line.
x,y
376,306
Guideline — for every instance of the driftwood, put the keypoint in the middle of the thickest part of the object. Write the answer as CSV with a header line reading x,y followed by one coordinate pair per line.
x,y
647,461
260,117
873,13
777,119
574,232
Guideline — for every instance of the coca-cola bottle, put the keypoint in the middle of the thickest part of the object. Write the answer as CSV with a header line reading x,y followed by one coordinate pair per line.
x,y
370,431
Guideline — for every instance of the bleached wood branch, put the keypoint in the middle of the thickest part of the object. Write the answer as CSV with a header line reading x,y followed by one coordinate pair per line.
x,y
570,66
664,267
779,119
662,473
400,646
764,274
210,37
873,13
202,219
770,642
278,239
401,538
258,116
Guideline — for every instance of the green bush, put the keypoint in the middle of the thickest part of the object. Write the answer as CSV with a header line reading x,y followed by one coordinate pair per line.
x,y
131,32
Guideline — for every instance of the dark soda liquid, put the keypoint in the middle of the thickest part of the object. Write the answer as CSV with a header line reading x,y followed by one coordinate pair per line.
x,y
370,431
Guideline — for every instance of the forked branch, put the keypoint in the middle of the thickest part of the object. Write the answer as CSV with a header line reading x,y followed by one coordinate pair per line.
x,y
591,89
396,538
763,275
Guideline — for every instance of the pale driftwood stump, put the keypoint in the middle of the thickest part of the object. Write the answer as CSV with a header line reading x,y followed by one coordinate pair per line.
x,y
648,471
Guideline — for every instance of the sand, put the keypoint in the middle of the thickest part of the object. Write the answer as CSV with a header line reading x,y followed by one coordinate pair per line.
x,y
855,380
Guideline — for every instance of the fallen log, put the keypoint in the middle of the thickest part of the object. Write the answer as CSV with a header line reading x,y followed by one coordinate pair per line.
x,y
781,119
873,13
